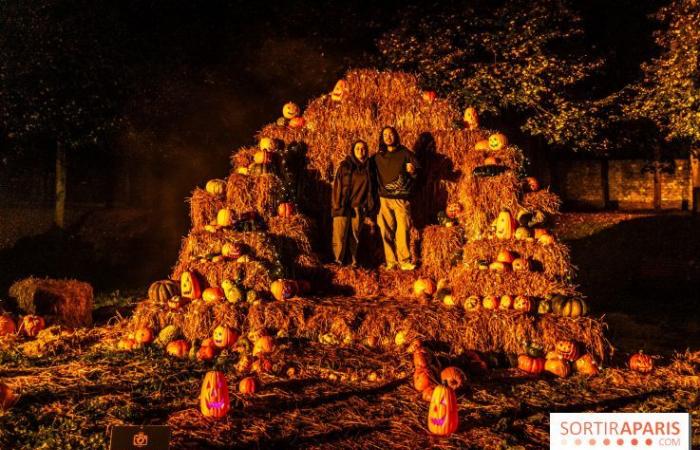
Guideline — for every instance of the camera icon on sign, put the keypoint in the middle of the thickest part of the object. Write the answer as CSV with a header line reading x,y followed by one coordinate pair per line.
x,y
140,439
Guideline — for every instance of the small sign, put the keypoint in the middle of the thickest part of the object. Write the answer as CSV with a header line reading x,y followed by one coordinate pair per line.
x,y
134,437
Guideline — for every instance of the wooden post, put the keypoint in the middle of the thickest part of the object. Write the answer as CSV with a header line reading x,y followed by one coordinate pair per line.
x,y
60,217
695,180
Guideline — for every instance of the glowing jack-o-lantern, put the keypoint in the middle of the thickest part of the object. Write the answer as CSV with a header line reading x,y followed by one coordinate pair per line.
x,y
213,398
497,141
443,417
224,337
471,118
505,225
453,210
32,325
339,90
290,110
189,285
7,326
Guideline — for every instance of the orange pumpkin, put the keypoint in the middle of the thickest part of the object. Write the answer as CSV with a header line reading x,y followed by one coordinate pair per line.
x,y
641,363
189,286
424,287
262,157
558,367
7,326
522,303
452,377
482,145
283,289
443,417
206,352
490,302
546,239
213,294
505,256
290,110
161,291
215,187
429,96
420,359
248,385
586,365
262,365
297,122
497,141
471,118
506,302
224,337
178,348
7,397
567,349
225,217
214,398
505,225
339,90
144,335
32,325
285,209
521,264
427,393
264,344
421,379
453,210
530,364
499,266
414,346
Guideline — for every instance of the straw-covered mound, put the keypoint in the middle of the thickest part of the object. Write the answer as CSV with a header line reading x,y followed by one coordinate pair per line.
x,y
253,275
441,249
466,281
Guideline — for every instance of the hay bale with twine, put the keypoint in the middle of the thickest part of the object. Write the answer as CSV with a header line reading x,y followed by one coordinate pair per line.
x,y
68,302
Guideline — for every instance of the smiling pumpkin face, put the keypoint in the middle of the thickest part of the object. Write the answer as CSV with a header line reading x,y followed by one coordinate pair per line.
x,y
189,286
442,415
213,398
339,90
224,337
290,110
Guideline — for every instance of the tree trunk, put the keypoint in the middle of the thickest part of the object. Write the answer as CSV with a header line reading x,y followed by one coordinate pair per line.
x,y
695,180
605,182
657,178
60,216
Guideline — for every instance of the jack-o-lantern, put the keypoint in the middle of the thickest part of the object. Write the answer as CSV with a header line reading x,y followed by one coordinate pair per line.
x,y
213,295
266,144
161,291
558,367
232,250
7,326
533,185
482,145
427,393
452,377
297,122
499,266
505,225
225,217
290,110
178,348
497,141
506,302
339,90
224,337
522,303
213,398
641,363
471,118
424,287
523,233
567,349
144,335
421,379
521,264
531,364
505,256
206,352
216,187
264,344
443,417
586,365
126,344
248,385
490,302
189,285
232,292
429,96
285,209
31,325
7,397
282,289
453,210
472,303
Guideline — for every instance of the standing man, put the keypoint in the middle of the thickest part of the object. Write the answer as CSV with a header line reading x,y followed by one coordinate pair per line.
x,y
396,169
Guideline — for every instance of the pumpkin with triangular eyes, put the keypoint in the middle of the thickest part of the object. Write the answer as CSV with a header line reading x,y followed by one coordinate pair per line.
x,y
443,417
213,398
189,285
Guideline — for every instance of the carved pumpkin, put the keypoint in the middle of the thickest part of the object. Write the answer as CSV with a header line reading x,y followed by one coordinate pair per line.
x,y
521,264
443,417
206,352
641,363
7,326
266,144
189,286
506,302
262,157
285,209
522,303
452,377
232,250
505,225
248,385
531,364
213,398
282,289
421,379
290,110
225,217
178,348
546,239
213,295
144,335
429,96
497,141
569,307
176,302
216,187
264,344
481,145
297,122
567,349
558,367
472,303
7,397
224,337
127,344
31,325
586,365
523,233
471,118
490,302
161,291
424,287
453,210
339,90
499,266
427,393
505,256
532,183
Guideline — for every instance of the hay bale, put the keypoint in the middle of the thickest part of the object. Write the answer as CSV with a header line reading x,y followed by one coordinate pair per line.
x,y
199,244
543,200
466,281
203,208
253,275
352,281
292,234
440,246
68,302
258,193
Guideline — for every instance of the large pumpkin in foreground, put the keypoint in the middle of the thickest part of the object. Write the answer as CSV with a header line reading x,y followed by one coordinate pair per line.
x,y
213,398
443,418
7,326
32,325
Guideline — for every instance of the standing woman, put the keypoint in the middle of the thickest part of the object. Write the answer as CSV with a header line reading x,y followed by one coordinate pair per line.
x,y
352,201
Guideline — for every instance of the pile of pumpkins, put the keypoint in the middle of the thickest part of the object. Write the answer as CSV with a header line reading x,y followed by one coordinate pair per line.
x,y
506,261
556,304
177,295
214,398
565,358
291,116
30,325
525,225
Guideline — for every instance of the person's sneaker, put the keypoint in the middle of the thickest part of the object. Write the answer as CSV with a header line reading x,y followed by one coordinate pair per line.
x,y
408,266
